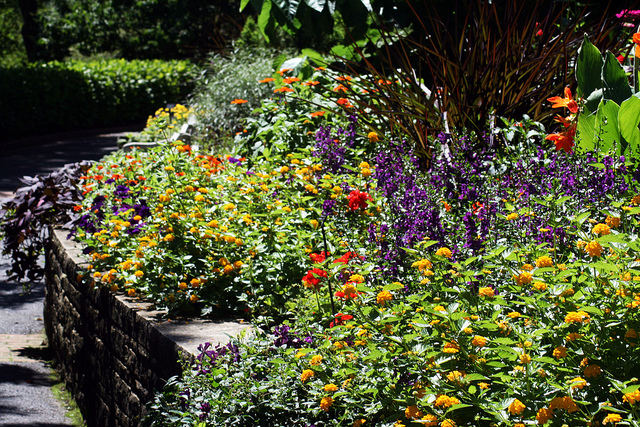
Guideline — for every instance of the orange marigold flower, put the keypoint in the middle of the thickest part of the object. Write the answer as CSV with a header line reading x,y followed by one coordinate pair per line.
x,y
306,374
267,80
612,221
326,403
448,423
383,296
283,89
316,360
444,401
567,101
612,418
290,80
516,407
544,415
373,136
311,83
578,383
523,278
560,352
429,420
577,317
544,261
486,292
330,388
636,40
592,371
593,248
632,398
565,403
479,341
344,102
239,101
317,114
451,348
540,286
602,229
412,412
444,252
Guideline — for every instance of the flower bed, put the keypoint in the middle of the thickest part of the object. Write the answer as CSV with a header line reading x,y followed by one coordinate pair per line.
x,y
463,288
481,291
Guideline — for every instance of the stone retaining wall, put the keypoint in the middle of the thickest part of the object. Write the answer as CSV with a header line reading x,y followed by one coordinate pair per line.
x,y
113,352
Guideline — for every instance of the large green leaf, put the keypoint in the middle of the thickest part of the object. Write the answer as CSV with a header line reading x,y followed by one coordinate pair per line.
x,y
585,133
588,69
606,129
265,19
628,120
616,83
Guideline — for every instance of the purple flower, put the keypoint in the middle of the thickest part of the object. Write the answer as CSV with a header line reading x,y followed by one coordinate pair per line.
x,y
121,191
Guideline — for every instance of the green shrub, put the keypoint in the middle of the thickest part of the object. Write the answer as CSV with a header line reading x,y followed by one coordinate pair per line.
x,y
227,78
55,96
148,29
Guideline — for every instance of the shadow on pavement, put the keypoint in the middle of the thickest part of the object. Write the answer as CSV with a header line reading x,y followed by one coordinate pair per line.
x,y
12,294
48,157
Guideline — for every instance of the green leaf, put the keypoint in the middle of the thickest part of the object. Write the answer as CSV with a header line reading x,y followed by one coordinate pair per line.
x,y
393,286
588,69
476,377
606,128
628,120
265,19
585,133
616,85
630,389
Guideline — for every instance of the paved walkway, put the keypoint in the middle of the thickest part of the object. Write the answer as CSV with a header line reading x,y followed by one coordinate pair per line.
x,y
25,376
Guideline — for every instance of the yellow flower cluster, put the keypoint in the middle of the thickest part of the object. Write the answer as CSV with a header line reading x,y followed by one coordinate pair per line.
x,y
577,317
444,401
516,407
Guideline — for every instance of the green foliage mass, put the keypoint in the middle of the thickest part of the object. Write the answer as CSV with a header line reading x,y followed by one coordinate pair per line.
x,y
79,95
143,29
11,46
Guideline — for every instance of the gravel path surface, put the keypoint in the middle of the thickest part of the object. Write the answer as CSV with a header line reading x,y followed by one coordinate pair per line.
x,y
25,376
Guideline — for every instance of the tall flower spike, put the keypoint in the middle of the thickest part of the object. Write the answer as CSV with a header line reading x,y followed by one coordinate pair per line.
x,y
567,101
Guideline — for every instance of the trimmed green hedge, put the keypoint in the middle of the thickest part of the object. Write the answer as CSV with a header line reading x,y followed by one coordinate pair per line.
x,y
61,96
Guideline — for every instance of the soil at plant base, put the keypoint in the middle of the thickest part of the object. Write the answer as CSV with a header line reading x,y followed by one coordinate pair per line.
x,y
26,381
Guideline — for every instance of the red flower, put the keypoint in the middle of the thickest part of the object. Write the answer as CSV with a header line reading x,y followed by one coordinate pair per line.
x,y
564,140
567,101
340,319
313,277
318,258
344,102
358,200
345,258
